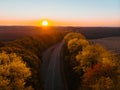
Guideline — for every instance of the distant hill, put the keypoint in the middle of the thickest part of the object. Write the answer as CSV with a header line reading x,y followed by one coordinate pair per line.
x,y
12,32
96,32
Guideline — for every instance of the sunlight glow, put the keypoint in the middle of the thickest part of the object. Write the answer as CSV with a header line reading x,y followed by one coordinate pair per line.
x,y
44,23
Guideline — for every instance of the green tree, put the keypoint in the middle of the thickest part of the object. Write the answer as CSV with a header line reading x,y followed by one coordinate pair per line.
x,y
13,72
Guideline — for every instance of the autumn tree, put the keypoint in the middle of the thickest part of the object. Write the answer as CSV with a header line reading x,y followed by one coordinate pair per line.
x,y
90,66
71,36
100,68
73,42
75,45
13,72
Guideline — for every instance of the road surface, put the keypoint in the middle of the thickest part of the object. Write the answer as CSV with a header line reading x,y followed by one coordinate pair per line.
x,y
52,70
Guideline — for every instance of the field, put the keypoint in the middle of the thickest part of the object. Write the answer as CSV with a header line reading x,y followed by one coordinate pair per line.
x,y
110,43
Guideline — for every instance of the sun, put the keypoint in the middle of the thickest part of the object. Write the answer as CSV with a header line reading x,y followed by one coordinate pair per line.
x,y
44,23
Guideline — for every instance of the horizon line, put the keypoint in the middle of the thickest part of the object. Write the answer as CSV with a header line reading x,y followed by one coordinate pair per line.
x,y
57,26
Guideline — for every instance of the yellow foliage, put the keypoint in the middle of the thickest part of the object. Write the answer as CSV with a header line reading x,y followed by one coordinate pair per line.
x,y
103,83
77,44
92,54
13,72
72,35
107,61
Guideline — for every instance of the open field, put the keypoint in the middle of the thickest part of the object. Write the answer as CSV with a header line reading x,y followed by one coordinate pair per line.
x,y
110,43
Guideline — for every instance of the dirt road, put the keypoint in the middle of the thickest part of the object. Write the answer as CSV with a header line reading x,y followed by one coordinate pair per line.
x,y
52,70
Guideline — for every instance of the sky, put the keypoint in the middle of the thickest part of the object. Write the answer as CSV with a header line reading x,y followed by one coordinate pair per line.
x,y
60,12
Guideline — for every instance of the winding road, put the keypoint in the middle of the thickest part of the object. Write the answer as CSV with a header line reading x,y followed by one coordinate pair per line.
x,y
52,68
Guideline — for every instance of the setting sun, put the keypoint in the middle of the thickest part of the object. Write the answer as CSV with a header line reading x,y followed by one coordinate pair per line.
x,y
44,23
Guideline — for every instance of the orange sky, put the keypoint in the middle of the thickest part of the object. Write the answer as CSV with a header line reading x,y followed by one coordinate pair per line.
x,y
61,23
60,12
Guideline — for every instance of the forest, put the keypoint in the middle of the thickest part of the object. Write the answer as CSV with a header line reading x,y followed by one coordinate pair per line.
x,y
89,66
20,61
85,65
